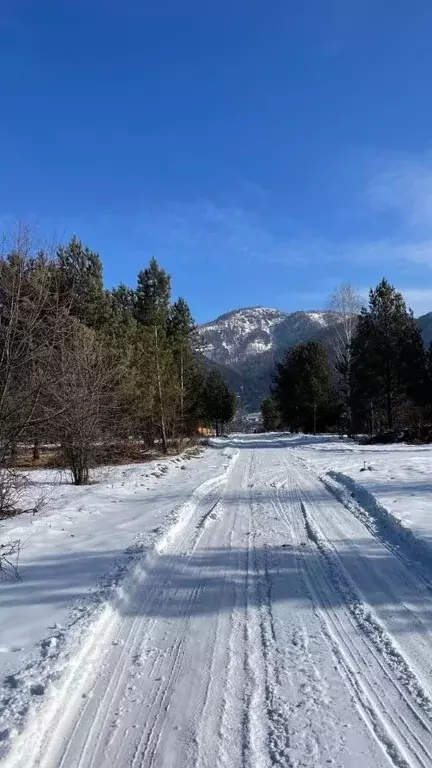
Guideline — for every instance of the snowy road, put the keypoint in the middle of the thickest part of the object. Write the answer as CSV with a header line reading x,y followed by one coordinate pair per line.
x,y
273,629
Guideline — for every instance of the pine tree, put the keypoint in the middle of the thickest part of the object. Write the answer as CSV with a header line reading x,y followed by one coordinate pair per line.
x,y
428,381
180,328
123,299
121,321
194,414
218,401
303,385
388,359
151,311
270,414
153,295
81,283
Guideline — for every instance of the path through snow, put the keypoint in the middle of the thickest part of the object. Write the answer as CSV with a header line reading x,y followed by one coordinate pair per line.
x,y
272,627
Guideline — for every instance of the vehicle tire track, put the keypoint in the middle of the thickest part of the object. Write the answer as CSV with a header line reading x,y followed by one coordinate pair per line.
x,y
71,708
395,724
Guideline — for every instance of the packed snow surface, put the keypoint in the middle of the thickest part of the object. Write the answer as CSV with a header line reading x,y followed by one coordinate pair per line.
x,y
267,603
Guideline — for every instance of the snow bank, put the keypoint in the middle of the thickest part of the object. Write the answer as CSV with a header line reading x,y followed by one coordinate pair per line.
x,y
81,560
364,505
389,487
365,618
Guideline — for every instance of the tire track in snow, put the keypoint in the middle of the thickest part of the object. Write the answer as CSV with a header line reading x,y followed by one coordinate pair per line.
x,y
397,710
211,720
412,551
234,731
364,617
389,724
230,734
242,735
277,736
305,718
171,662
66,711
129,647
254,703
278,718
284,721
146,747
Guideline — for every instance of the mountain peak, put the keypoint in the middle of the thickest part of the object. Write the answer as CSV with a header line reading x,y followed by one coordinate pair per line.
x,y
242,334
247,342
245,312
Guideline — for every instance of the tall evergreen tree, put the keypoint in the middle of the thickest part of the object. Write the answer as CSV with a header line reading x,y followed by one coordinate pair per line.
x,y
153,296
219,402
180,320
428,382
388,359
180,328
303,385
81,283
123,299
270,414
151,311
121,322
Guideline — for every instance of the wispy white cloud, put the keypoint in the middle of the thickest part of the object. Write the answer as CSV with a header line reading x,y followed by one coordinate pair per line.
x,y
367,253
402,190
236,233
386,252
406,189
217,231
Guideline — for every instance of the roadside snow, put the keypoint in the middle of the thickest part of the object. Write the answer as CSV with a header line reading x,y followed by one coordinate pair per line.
x,y
75,558
393,483
225,652
256,606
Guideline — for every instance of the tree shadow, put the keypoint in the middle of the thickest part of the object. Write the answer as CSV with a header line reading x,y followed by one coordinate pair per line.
x,y
220,579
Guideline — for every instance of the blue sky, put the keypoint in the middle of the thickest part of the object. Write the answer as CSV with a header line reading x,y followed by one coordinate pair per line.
x,y
263,152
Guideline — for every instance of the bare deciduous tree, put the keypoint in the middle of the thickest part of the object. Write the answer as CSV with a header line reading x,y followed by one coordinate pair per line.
x,y
31,326
86,397
345,303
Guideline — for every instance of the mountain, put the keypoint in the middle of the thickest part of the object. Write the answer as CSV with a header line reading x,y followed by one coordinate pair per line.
x,y
425,323
247,343
244,334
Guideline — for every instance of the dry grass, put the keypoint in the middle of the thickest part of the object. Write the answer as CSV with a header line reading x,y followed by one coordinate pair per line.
x,y
126,452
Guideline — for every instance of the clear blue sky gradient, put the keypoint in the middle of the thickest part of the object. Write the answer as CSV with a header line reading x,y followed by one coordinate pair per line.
x,y
263,152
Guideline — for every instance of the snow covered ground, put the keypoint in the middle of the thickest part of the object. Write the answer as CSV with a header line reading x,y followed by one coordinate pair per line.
x,y
263,604
393,482
75,555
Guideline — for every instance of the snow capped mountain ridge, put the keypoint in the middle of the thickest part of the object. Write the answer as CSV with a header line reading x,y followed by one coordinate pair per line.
x,y
246,333
247,343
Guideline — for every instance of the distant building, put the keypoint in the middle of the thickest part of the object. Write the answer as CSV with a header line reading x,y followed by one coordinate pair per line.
x,y
246,422
254,418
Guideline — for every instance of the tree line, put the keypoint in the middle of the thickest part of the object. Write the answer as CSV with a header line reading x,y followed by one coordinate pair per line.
x,y
373,375
90,369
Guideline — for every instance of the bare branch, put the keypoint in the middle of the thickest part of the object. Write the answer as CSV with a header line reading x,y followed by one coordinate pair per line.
x,y
346,303
9,559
